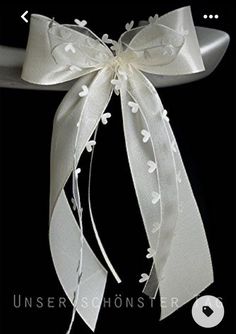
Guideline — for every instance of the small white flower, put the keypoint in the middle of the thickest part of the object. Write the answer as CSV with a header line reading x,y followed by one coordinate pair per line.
x,y
144,278
152,166
77,172
151,253
155,227
90,144
129,26
153,19
168,50
115,46
164,115
106,39
155,197
81,24
134,106
146,135
104,118
70,47
84,91
123,74
117,85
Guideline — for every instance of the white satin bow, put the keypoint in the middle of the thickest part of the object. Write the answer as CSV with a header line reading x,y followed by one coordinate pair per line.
x,y
166,46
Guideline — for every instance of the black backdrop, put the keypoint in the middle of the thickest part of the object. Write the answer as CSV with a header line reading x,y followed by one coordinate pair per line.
x,y
201,115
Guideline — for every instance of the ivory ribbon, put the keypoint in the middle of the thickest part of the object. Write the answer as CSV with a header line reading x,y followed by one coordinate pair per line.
x,y
167,45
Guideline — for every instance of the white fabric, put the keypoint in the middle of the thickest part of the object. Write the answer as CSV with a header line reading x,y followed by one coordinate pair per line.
x,y
168,45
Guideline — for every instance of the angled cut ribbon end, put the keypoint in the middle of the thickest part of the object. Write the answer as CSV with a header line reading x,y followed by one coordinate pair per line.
x,y
65,246
175,304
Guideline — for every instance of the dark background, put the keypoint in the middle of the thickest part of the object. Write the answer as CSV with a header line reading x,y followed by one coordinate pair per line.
x,y
202,117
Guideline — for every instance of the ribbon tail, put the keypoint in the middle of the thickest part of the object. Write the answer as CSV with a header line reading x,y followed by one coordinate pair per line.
x,y
181,260
190,260
65,246
75,121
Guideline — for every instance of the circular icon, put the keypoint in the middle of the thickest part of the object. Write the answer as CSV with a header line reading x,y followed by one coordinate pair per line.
x,y
208,311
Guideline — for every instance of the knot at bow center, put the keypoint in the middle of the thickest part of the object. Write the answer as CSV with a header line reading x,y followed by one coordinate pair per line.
x,y
120,65
119,62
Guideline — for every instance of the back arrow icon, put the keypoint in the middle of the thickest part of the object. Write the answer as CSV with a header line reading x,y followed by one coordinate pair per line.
x,y
23,16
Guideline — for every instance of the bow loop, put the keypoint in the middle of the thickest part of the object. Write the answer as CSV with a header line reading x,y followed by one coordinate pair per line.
x,y
179,51
57,53
78,47
153,45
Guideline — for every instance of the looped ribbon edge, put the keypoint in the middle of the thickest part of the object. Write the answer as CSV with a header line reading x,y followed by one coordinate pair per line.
x,y
168,45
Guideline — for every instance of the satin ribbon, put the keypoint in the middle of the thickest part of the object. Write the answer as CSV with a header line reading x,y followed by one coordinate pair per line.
x,y
167,45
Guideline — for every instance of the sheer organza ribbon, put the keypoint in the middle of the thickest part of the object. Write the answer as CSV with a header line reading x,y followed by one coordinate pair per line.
x,y
167,45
